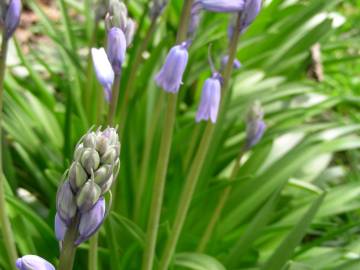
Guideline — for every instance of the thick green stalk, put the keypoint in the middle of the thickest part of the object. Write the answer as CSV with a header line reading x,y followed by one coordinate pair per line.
x,y
4,218
196,166
93,255
146,158
220,206
161,168
114,100
68,249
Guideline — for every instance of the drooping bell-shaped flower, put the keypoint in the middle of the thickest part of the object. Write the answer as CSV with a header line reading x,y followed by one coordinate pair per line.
x,y
251,10
255,125
103,70
210,99
116,49
60,228
33,262
12,17
222,5
91,221
170,75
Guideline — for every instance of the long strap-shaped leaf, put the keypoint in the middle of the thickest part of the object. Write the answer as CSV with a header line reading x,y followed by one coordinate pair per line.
x,y
283,253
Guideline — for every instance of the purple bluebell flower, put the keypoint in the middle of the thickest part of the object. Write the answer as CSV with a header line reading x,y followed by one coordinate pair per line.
x,y
223,5
194,18
91,221
104,71
33,262
251,10
210,99
116,48
130,31
12,17
170,75
60,228
225,59
255,126
65,203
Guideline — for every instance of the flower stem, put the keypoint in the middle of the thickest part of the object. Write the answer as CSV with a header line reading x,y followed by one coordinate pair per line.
x,y
220,206
146,158
4,218
93,249
68,249
114,99
197,164
161,167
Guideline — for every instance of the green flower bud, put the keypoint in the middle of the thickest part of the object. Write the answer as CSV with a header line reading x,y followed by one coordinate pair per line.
x,y
107,185
78,151
89,140
77,175
87,196
103,174
101,144
90,160
110,156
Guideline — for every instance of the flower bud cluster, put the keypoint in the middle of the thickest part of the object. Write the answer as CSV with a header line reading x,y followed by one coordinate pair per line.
x,y
91,174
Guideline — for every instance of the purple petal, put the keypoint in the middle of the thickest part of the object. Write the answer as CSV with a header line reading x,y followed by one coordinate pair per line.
x,y
116,48
60,228
65,202
32,262
12,17
223,5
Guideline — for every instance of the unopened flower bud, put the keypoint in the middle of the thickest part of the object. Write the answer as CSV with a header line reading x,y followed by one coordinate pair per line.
x,y
91,220
78,151
255,126
116,48
65,203
89,140
170,75
12,17
225,59
102,174
33,262
60,228
88,196
77,176
130,31
101,144
105,187
90,160
118,14
109,156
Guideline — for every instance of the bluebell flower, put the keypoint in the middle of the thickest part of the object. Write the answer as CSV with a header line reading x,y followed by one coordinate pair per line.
x,y
116,49
104,71
223,5
33,262
65,203
210,99
12,17
60,228
91,221
251,10
170,75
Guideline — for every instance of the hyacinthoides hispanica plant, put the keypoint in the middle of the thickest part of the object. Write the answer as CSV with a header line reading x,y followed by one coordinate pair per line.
x,y
9,17
80,199
246,12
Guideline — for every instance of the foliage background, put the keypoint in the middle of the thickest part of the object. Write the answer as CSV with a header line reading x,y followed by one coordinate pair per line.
x,y
295,202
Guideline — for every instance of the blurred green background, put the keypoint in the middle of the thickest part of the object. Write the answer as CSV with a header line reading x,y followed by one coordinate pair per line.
x,y
295,202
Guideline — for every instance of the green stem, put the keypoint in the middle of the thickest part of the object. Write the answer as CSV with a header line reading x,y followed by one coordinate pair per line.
x,y
68,249
161,168
220,206
145,160
196,166
191,147
114,99
159,184
133,71
4,218
93,255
